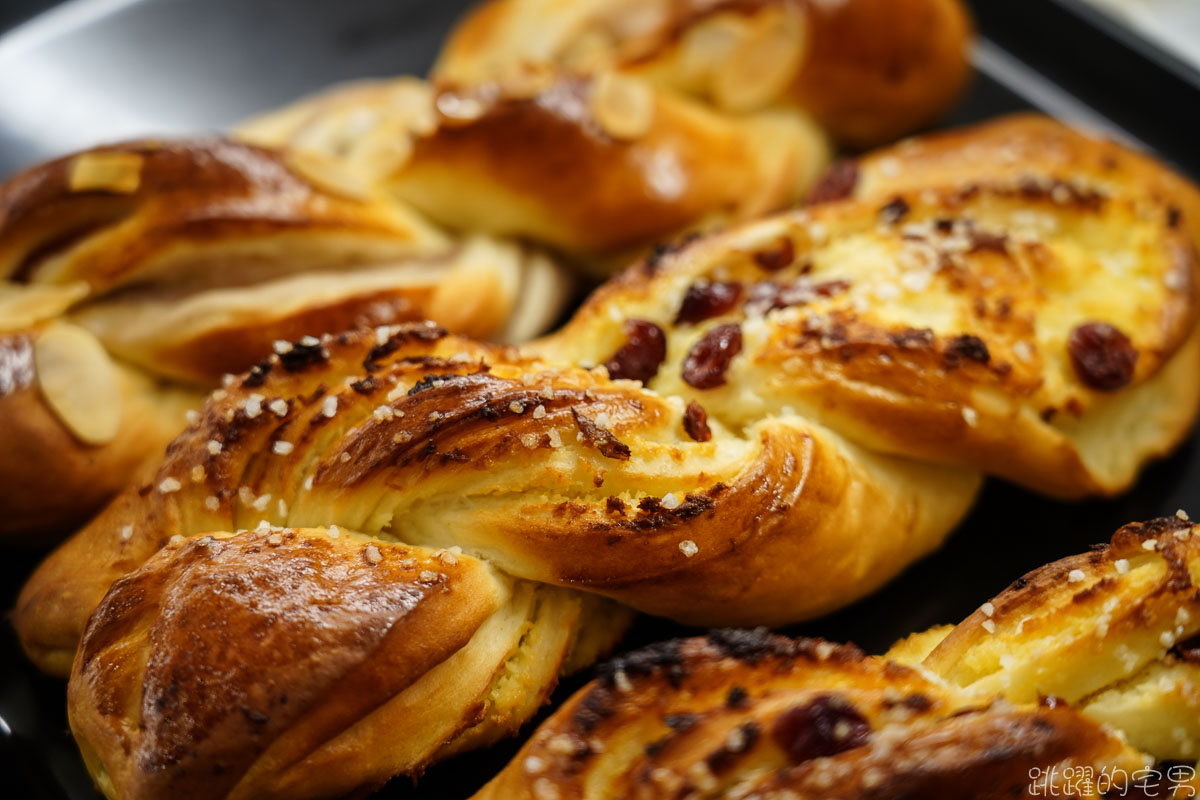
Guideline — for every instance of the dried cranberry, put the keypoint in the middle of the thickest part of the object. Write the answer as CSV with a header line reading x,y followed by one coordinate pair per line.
x,y
695,422
705,365
824,727
778,257
644,350
707,300
836,183
1103,356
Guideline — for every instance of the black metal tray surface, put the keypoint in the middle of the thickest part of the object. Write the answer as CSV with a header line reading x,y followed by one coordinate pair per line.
x,y
96,70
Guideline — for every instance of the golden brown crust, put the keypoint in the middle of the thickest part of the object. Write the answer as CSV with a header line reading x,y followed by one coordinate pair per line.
x,y
594,165
1084,663
744,712
546,166
168,707
868,70
52,481
930,306
188,260
1118,625
554,474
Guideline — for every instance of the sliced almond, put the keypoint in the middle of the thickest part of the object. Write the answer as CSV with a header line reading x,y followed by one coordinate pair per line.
x,y
79,382
623,106
328,174
120,173
762,65
22,306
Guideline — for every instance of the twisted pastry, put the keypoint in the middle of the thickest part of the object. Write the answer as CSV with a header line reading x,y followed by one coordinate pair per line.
x,y
747,430
867,70
1074,670
188,260
138,274
599,126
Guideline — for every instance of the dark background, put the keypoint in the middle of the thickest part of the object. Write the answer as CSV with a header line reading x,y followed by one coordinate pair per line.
x,y
15,11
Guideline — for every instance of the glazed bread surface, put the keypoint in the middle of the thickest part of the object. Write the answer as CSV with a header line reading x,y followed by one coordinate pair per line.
x,y
748,428
1084,664
866,70
1002,297
134,276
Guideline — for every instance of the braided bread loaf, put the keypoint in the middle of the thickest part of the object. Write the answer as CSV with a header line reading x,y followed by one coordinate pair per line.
x,y
596,126
867,70
187,260
1074,671
652,453
138,274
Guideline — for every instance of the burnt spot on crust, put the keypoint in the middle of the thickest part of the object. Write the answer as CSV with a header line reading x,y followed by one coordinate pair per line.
x,y
600,438
912,338
707,299
695,422
615,505
665,658
823,727
740,740
681,722
914,701
596,706
431,381
1188,650
754,644
894,211
1173,217
421,332
737,697
767,296
1103,357
662,250
836,183
966,348
365,386
1154,528
644,350
257,375
308,352
778,257
707,361
653,515
986,241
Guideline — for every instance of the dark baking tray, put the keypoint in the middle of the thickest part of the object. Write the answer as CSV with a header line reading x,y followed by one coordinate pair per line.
x,y
90,70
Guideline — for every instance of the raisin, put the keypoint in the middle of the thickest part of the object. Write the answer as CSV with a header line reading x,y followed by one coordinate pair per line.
x,y
1102,355
644,350
705,365
695,422
836,183
824,727
775,259
707,300
966,347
